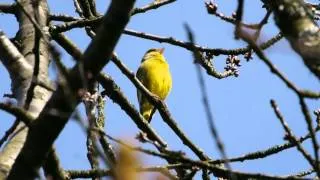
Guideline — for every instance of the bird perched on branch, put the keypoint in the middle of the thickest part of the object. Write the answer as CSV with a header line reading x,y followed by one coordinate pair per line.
x,y
155,75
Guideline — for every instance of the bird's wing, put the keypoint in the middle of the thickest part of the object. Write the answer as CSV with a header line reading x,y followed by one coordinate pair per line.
x,y
141,75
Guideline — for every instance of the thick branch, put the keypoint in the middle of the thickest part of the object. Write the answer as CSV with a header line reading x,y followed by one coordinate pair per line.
x,y
27,71
8,8
296,22
16,65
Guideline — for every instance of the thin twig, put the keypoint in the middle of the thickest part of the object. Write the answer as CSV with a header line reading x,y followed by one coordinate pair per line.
x,y
212,8
302,173
9,132
170,40
267,152
309,123
154,5
290,136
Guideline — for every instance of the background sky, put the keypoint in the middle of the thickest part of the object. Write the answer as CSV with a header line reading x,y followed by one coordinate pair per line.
x,y
241,108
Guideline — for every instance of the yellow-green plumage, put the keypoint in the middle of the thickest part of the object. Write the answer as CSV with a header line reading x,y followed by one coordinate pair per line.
x,y
155,75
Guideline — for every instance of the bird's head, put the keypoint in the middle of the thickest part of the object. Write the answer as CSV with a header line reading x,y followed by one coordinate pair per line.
x,y
154,54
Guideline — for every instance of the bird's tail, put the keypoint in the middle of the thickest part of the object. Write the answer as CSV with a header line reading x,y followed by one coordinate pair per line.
x,y
148,114
151,114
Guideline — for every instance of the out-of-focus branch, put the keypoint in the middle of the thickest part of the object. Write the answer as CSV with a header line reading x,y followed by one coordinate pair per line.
x,y
164,155
62,103
52,167
20,113
8,8
68,46
85,8
214,132
301,31
9,132
92,5
63,17
238,18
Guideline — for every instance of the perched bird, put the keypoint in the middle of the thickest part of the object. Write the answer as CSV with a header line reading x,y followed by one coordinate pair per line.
x,y
155,75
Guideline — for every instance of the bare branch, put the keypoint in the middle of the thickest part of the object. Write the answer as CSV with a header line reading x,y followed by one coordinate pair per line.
x,y
9,132
290,136
13,60
154,5
267,152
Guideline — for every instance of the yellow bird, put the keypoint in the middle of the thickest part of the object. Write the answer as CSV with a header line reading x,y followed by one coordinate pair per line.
x,y
154,74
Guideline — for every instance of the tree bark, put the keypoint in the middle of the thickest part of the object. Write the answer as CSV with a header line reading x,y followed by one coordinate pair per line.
x,y
26,76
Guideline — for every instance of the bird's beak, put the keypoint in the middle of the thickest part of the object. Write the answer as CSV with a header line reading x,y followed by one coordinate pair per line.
x,y
161,50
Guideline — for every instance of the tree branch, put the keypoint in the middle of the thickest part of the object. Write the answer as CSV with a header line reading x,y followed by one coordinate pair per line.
x,y
8,8
301,31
